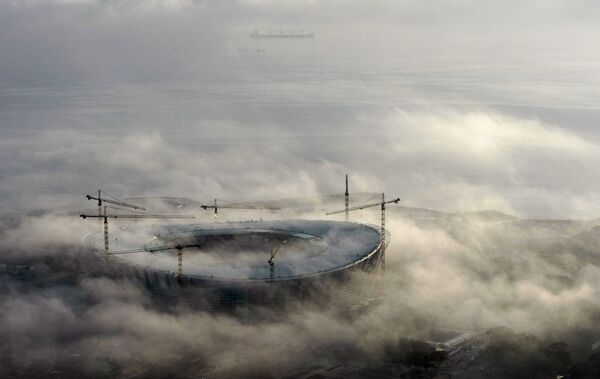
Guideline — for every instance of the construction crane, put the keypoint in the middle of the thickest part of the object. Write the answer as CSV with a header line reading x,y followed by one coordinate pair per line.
x,y
346,198
381,204
114,201
228,206
106,216
179,247
271,261
110,201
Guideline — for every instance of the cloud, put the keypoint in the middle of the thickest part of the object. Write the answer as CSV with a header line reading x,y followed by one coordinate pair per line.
x,y
463,271
482,135
447,159
47,231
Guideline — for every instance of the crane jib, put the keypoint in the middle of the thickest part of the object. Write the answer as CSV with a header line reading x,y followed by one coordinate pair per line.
x,y
364,206
116,202
137,216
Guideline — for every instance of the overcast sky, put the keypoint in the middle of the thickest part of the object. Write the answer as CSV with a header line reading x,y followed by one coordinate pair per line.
x,y
456,105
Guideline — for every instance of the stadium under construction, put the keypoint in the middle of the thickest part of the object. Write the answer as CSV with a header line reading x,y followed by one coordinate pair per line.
x,y
232,266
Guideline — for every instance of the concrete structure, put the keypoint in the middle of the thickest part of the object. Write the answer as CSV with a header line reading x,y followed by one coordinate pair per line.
x,y
226,266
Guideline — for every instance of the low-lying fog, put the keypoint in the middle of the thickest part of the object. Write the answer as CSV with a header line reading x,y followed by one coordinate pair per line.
x,y
457,107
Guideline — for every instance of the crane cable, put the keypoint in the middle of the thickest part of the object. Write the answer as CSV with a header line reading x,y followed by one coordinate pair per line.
x,y
111,196
365,201
136,212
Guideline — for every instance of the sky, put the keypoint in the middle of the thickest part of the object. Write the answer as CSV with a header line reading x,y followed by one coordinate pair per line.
x,y
455,106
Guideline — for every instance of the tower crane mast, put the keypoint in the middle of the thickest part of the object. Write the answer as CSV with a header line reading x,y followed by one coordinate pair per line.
x,y
346,199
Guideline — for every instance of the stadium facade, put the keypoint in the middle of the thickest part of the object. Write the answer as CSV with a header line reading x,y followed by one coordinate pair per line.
x,y
236,266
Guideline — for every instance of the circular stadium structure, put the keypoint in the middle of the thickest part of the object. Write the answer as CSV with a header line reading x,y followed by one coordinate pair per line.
x,y
235,265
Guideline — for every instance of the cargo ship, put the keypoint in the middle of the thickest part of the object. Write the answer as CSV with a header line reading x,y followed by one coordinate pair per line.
x,y
280,34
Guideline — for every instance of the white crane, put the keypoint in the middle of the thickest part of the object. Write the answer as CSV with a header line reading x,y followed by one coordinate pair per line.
x,y
382,204
106,216
114,201
111,201
227,206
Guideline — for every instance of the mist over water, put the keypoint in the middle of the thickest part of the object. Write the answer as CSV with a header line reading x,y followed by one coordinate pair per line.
x,y
458,107
495,104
